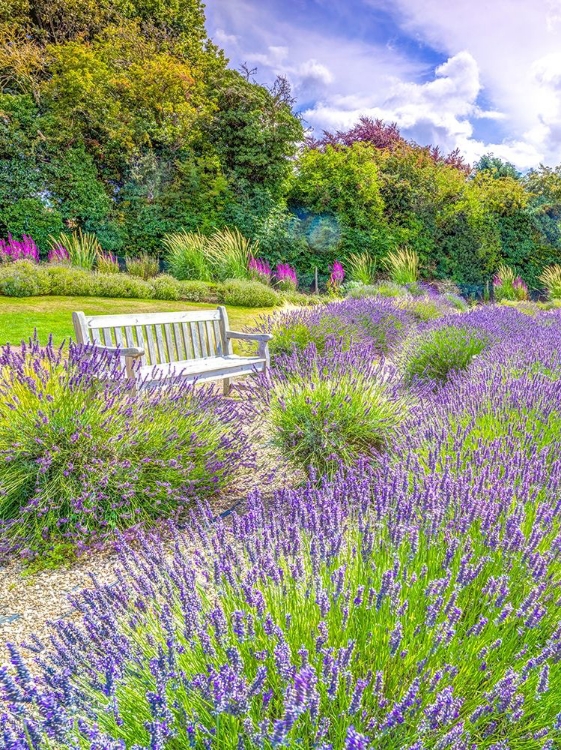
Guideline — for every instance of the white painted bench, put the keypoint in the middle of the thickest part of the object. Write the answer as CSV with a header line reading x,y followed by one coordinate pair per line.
x,y
173,346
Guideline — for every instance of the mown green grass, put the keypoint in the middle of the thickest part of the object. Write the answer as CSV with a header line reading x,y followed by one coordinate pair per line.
x,y
19,317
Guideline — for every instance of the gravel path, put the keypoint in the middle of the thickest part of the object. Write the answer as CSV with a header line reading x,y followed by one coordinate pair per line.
x,y
27,603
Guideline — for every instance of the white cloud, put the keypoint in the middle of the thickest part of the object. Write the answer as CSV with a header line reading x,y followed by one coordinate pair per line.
x,y
504,53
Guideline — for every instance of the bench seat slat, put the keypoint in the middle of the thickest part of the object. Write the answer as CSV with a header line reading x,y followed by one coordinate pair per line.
x,y
202,368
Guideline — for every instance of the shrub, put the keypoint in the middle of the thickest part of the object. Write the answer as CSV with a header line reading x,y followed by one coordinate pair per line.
x,y
286,279
362,268
198,291
70,281
107,263
347,322
301,300
457,302
120,285
551,279
248,294
187,257
403,266
437,352
229,253
165,287
323,412
83,456
426,308
83,248
23,278
143,266
24,249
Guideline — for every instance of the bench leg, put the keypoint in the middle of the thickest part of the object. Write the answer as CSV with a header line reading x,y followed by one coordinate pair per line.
x,y
226,386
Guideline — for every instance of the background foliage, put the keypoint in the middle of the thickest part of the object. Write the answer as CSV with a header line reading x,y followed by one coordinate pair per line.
x,y
122,118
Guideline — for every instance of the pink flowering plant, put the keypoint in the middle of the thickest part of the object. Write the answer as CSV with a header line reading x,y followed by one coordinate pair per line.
x,y
286,279
24,249
260,270
58,254
336,278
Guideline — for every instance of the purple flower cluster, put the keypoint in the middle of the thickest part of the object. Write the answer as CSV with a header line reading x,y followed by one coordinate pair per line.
x,y
285,277
24,249
337,275
341,614
260,270
410,603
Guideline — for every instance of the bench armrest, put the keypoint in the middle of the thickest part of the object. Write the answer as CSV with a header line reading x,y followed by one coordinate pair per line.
x,y
261,337
131,351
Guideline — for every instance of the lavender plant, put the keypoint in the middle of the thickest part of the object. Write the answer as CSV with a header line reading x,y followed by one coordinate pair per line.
x,y
326,411
434,353
351,321
370,612
82,456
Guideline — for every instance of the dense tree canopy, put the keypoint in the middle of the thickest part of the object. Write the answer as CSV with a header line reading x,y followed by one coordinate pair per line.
x,y
122,118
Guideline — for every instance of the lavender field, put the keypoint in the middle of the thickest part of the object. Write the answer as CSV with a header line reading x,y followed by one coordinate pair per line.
x,y
401,590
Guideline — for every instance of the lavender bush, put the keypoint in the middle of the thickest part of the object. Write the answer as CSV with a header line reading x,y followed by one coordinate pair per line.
x,y
351,321
433,354
324,412
371,612
82,456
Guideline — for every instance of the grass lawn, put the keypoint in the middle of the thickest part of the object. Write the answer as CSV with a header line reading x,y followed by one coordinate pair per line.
x,y
20,316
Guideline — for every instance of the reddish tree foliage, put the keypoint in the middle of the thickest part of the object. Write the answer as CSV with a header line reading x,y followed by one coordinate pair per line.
x,y
384,136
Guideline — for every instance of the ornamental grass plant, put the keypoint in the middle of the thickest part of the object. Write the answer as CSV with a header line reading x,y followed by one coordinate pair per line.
x,y
186,256
403,266
84,457
143,266
551,279
83,248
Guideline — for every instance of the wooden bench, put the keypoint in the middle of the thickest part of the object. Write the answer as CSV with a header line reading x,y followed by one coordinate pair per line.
x,y
173,346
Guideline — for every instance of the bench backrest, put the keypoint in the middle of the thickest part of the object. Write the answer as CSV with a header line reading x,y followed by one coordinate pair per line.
x,y
165,337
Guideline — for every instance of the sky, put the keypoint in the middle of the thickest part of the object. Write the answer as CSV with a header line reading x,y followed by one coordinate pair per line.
x,y
479,75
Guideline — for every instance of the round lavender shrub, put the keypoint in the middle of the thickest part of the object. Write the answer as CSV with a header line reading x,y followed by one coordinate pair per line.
x,y
434,353
371,612
83,456
322,412
349,322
